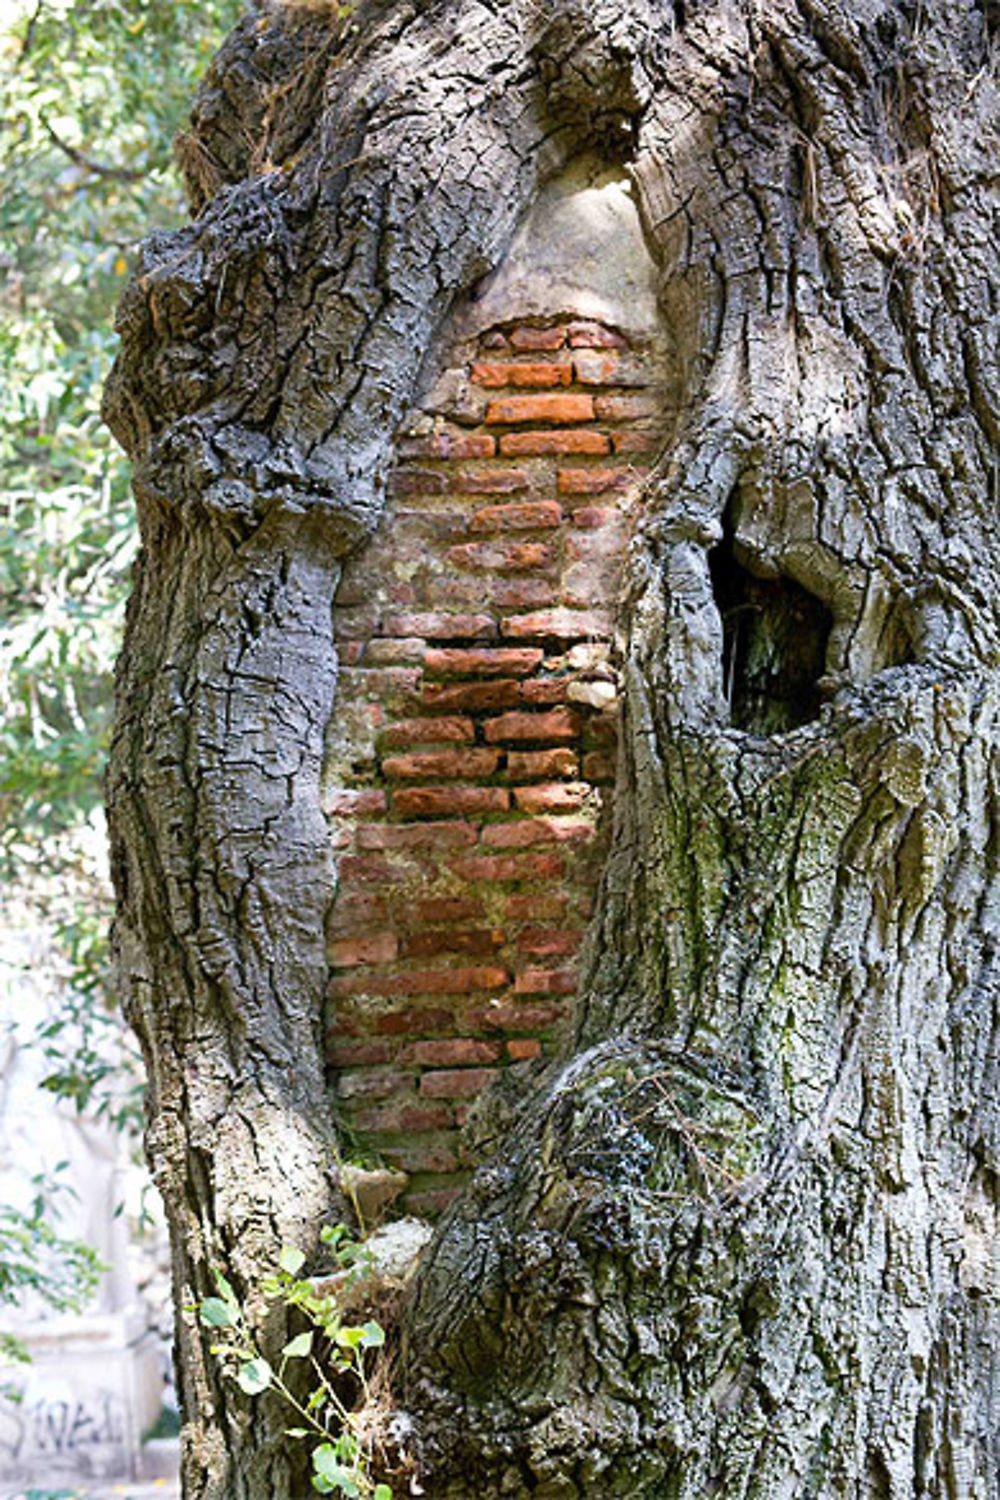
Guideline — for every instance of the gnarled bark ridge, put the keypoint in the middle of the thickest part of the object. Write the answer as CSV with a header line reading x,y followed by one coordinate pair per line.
x,y
743,1238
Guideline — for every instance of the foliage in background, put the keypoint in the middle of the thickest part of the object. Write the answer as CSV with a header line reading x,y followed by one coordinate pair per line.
x,y
91,94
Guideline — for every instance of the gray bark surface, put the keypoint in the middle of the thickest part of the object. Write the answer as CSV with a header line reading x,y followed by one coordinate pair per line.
x,y
742,1240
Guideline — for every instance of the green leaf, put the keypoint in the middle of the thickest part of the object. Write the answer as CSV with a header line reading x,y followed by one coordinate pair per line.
x,y
296,1432
214,1313
255,1376
382,1492
299,1347
350,1338
374,1335
291,1260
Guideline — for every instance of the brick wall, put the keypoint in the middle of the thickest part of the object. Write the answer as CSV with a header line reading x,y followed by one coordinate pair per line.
x,y
472,749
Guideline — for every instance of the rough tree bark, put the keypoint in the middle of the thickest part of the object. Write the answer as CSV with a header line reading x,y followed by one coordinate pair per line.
x,y
742,1238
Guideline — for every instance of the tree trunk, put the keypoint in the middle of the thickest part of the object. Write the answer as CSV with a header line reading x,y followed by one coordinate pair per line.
x,y
742,1238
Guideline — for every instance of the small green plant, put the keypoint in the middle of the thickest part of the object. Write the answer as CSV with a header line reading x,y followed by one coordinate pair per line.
x,y
340,1407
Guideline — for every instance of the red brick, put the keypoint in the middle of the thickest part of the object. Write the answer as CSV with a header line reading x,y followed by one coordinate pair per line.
x,y
489,481
527,765
420,1158
456,1083
375,948
546,690
535,908
578,440
560,724
450,1052
413,1021
459,981
400,1118
436,801
559,624
375,1083
435,731
520,373
529,831
515,1017
509,867
551,797
474,697
353,802
353,913
436,626
538,338
634,442
443,909
598,766
472,445
501,557
594,336
450,835
485,661
545,982
548,942
544,408
625,408
446,763
350,1054
478,943
528,515
523,1048
591,481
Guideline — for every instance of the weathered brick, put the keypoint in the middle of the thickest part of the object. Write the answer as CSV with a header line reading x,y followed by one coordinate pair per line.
x,y
341,1053
535,908
430,1203
521,373
437,801
485,661
575,440
501,557
374,869
479,943
521,593
515,1016
591,481
634,442
559,624
442,763
545,982
353,914
541,408
560,724
592,517
598,766
537,338
420,1158
530,831
493,339
595,367
522,1048
542,765
548,942
489,481
443,909
375,1083
450,1052
451,835
430,731
527,515
343,801
384,685
587,335
473,697
416,481
351,652
456,1083
412,1021
546,690
391,652
400,1118
444,981
551,796
435,625
509,867
374,948
625,408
